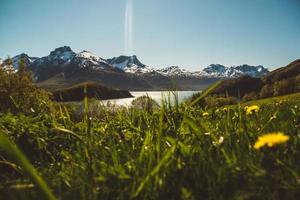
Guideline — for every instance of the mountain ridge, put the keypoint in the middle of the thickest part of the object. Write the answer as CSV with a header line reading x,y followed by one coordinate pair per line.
x,y
131,64
126,72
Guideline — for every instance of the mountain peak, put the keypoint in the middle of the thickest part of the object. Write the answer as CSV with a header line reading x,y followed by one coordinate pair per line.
x,y
87,58
61,50
215,68
123,62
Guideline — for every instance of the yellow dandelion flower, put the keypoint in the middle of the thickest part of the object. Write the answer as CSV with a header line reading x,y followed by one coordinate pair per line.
x,y
205,114
271,139
251,109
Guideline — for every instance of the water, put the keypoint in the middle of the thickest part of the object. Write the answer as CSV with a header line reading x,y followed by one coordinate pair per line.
x,y
156,95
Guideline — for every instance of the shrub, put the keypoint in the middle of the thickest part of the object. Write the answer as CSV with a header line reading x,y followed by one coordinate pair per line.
x,y
18,92
216,101
145,103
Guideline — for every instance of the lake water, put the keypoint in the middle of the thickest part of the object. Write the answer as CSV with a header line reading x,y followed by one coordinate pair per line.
x,y
156,95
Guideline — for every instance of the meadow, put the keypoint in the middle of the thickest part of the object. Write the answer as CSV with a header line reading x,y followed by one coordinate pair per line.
x,y
167,152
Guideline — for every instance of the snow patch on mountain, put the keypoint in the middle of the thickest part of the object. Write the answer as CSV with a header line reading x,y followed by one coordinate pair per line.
x,y
90,56
135,69
86,59
173,71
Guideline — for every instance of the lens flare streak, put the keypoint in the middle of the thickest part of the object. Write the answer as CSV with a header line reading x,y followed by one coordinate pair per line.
x,y
128,28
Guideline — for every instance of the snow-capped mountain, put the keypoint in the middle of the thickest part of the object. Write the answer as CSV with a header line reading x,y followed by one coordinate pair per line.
x,y
174,71
216,71
130,64
60,57
86,59
64,60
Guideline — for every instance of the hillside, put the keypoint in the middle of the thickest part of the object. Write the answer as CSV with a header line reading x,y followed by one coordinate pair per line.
x,y
93,90
284,80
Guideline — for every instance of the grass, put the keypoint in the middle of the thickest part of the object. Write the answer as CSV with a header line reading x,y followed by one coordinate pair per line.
x,y
22,161
291,98
171,152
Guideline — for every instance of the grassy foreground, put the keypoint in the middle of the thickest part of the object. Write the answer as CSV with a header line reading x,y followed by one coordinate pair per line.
x,y
174,152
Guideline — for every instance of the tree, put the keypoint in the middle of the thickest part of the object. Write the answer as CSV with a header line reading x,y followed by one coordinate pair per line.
x,y
9,67
22,66
145,102
297,83
18,92
266,91
1,63
282,87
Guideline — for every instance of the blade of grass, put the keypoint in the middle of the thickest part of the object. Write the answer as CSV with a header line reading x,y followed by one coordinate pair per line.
x,y
155,170
206,92
14,153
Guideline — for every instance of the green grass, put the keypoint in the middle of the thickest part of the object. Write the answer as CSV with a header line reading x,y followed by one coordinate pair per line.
x,y
22,161
291,98
168,153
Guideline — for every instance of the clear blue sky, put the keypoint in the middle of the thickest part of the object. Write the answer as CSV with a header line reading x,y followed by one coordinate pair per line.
x,y
188,33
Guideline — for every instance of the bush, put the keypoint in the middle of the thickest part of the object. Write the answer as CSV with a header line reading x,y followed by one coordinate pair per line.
x,y
145,103
216,101
18,94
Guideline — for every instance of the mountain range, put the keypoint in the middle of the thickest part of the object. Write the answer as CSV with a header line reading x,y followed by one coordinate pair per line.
x,y
63,68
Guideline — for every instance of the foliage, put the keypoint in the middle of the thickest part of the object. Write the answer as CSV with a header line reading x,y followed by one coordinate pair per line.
x,y
145,103
172,152
18,94
14,152
285,86
216,101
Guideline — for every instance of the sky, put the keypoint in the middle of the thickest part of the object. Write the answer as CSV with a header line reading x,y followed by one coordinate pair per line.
x,y
187,33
